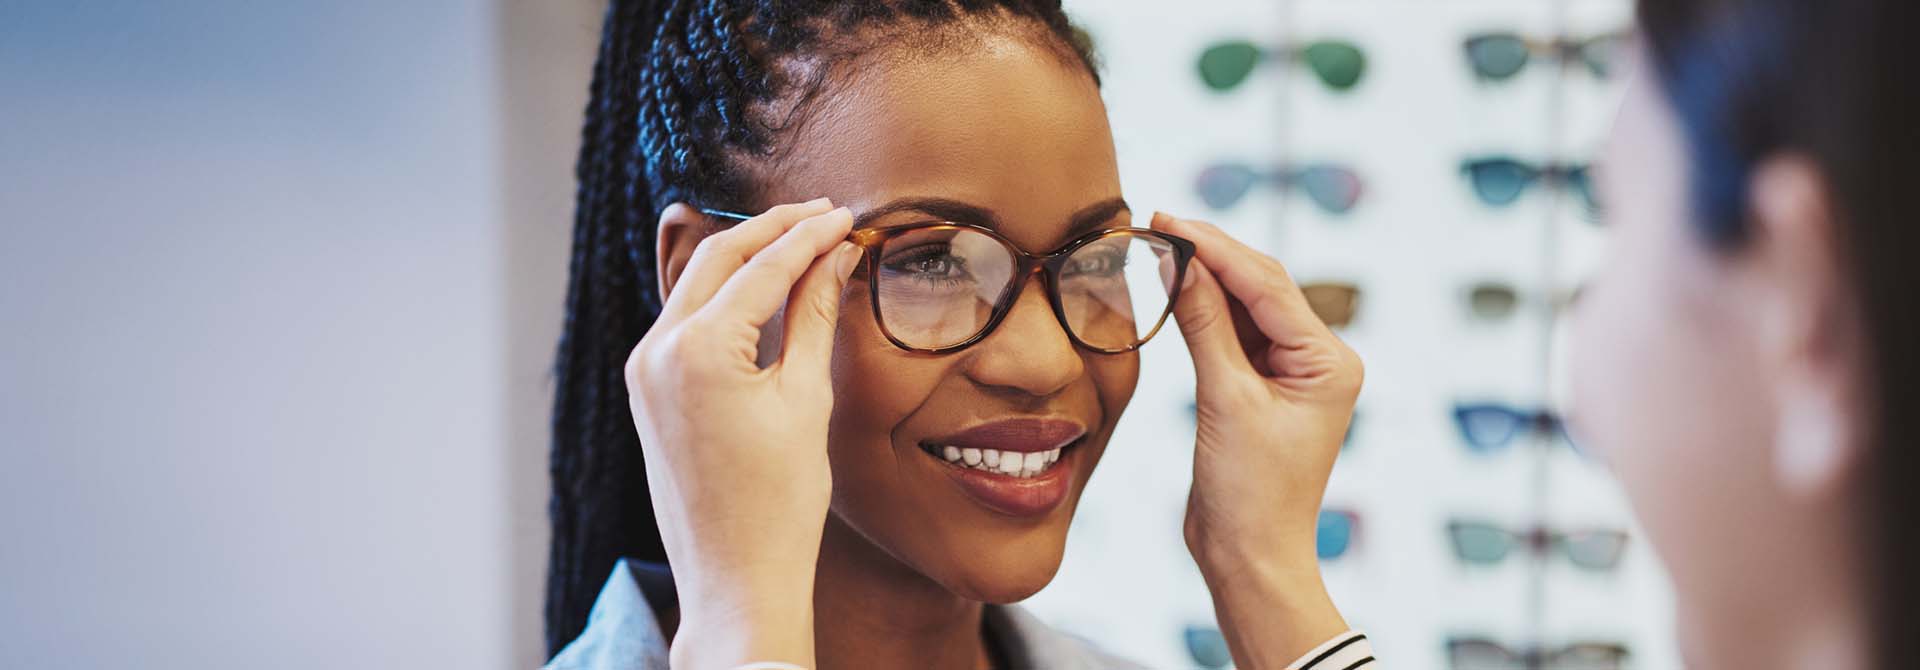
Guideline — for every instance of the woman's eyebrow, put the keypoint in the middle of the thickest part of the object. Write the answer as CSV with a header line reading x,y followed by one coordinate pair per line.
x,y
1086,219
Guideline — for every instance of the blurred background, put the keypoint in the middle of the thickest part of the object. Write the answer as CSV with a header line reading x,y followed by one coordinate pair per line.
x,y
282,283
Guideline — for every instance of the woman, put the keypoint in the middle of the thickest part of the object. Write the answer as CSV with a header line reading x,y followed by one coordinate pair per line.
x,y
1749,364
855,455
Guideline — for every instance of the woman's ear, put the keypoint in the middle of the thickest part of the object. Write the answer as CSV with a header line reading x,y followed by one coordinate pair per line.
x,y
682,226
1807,327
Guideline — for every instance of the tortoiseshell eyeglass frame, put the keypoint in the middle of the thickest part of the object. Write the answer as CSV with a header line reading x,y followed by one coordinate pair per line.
x,y
1048,265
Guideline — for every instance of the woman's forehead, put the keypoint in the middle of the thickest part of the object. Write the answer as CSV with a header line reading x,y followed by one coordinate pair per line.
x,y
1014,131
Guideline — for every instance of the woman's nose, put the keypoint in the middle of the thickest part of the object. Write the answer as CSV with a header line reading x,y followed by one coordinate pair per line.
x,y
1029,353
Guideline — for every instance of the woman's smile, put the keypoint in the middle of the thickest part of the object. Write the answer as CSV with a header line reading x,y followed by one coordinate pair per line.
x,y
1016,466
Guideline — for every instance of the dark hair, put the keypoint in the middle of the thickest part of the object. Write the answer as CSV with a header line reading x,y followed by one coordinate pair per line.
x,y
1832,80
686,96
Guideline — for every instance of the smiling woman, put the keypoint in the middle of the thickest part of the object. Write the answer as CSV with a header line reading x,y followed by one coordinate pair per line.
x,y
891,522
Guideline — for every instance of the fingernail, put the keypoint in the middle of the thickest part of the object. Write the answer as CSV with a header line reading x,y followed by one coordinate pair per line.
x,y
845,256
820,202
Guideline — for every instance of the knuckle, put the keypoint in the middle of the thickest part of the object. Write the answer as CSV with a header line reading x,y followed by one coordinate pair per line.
x,y
708,247
636,368
1201,318
788,210
725,244
825,307
1348,371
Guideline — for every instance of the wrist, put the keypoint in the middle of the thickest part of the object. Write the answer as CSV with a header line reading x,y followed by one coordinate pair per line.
x,y
722,635
745,611
1279,553
1270,609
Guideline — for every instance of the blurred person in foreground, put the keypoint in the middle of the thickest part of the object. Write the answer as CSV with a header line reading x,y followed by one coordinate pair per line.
x,y
1748,362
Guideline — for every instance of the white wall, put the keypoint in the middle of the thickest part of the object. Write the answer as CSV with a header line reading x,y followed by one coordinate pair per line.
x,y
276,322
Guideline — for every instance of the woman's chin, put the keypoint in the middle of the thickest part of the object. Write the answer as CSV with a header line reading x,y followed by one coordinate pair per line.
x,y
1003,577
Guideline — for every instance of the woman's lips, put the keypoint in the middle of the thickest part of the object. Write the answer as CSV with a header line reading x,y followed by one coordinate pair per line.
x,y
1017,495
1020,434
1018,467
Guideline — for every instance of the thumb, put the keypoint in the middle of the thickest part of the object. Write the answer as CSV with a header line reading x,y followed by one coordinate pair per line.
x,y
814,308
1207,323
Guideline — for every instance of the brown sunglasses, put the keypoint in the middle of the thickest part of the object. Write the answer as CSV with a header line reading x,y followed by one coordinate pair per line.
x,y
938,287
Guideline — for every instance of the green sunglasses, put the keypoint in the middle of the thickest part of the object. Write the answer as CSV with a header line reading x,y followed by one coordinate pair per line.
x,y
1337,63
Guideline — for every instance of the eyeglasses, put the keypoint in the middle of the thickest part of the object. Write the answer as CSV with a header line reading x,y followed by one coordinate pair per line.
x,y
1337,63
1499,180
1334,188
1336,303
1487,427
938,287
1336,532
1499,56
1481,543
1495,301
1476,653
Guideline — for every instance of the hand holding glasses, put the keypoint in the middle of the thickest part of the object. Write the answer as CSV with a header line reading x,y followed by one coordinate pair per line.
x,y
937,287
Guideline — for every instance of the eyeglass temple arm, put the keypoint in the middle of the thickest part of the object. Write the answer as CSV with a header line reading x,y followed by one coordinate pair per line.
x,y
724,214
743,218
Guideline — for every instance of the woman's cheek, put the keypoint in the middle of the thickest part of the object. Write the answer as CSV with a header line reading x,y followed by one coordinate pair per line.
x,y
1115,376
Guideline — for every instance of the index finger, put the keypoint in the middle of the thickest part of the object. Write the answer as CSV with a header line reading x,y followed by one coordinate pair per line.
x,y
723,253
1261,284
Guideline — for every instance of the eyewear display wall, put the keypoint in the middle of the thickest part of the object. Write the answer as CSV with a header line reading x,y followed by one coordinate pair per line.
x,y
1443,160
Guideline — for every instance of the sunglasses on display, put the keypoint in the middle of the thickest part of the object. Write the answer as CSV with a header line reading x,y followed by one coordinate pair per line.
x,y
1336,533
1493,302
1489,427
1481,543
1479,653
938,287
1335,189
1499,181
1337,63
1336,303
1497,301
1498,56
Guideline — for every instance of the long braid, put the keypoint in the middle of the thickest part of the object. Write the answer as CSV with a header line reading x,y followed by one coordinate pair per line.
x,y
604,309
679,88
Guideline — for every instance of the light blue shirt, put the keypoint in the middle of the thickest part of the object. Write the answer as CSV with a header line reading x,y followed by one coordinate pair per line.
x,y
623,634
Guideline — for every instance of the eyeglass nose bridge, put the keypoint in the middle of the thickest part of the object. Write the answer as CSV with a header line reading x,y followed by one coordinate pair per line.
x,y
1047,266
1026,265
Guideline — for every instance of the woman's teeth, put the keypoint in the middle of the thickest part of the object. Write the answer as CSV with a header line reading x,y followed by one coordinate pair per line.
x,y
1011,463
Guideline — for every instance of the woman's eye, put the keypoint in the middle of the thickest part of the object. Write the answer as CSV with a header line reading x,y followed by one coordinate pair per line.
x,y
929,264
1104,263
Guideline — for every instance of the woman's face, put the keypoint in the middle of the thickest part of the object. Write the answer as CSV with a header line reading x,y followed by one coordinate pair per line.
x,y
1009,136
1673,388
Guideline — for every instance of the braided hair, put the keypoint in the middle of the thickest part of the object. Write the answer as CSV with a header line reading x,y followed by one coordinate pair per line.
x,y
687,96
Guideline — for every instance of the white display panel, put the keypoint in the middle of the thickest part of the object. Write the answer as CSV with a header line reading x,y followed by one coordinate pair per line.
x,y
1415,244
